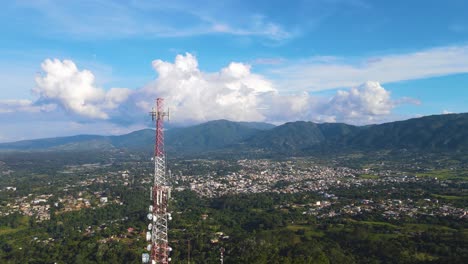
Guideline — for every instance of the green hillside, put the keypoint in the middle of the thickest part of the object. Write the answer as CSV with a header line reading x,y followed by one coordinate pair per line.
x,y
430,133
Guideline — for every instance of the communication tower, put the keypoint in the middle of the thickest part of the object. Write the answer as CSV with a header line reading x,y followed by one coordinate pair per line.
x,y
221,252
160,195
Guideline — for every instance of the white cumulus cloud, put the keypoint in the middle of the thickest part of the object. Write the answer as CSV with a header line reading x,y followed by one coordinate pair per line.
x,y
232,93
365,103
74,90
235,93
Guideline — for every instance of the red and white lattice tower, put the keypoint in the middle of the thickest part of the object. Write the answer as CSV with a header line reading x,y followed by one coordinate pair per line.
x,y
160,194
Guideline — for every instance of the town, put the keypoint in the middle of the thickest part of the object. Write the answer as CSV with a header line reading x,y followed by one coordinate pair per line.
x,y
250,176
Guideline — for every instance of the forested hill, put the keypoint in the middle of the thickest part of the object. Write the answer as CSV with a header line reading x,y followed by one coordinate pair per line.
x,y
431,133
207,136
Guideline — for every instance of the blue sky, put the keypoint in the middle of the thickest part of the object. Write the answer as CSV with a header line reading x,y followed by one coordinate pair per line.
x,y
353,61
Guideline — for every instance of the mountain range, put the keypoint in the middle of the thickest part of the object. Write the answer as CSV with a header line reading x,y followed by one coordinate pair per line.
x,y
447,132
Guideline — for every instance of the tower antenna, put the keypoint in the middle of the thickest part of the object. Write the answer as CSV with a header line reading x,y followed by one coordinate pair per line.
x,y
160,194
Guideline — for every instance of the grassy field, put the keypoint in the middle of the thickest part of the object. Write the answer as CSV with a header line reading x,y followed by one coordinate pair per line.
x,y
378,224
425,227
9,230
445,174
309,230
449,197
22,225
368,176
404,228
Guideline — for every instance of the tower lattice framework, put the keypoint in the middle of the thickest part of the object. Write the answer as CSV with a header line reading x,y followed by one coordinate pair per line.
x,y
160,194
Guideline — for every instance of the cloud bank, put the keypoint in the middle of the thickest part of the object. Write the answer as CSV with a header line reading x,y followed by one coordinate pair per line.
x,y
234,92
71,98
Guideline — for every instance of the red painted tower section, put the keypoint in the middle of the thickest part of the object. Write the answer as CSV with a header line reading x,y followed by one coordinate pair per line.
x,y
160,194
